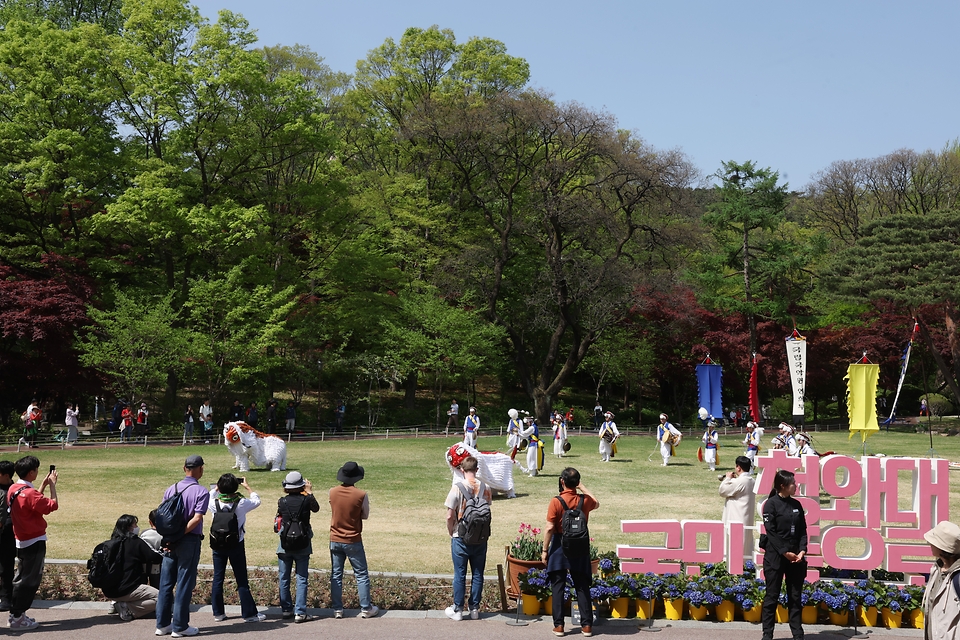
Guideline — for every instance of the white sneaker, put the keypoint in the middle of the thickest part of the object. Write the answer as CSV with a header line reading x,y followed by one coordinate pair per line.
x,y
474,614
220,618
338,614
260,617
23,623
453,614
163,631
371,612
189,631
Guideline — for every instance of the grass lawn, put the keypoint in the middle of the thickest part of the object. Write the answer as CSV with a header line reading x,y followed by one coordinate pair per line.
x,y
408,480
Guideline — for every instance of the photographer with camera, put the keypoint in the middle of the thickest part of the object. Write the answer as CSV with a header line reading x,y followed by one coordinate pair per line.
x,y
740,505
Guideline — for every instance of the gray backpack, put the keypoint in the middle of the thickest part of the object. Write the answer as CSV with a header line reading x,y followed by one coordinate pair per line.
x,y
474,524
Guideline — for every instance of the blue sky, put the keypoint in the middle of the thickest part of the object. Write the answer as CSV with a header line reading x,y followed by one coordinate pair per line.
x,y
790,85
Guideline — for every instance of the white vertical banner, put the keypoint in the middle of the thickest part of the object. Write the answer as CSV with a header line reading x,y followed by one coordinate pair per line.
x,y
797,363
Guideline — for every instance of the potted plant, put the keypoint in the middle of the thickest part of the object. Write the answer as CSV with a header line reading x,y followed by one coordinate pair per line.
x,y
750,598
603,593
891,607
694,596
627,586
609,564
913,605
524,554
810,599
534,590
867,593
783,614
671,590
645,593
839,604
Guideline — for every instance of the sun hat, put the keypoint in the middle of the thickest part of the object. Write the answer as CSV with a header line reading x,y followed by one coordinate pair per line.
x,y
945,536
350,473
294,481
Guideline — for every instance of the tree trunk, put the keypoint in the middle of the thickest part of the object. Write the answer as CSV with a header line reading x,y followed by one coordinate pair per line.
x,y
410,390
542,407
169,406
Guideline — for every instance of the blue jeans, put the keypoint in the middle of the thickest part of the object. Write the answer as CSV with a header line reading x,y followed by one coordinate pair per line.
x,y
476,554
238,561
286,561
179,569
339,553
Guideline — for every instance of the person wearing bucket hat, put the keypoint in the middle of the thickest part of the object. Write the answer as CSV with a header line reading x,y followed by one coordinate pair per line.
x,y
294,509
349,507
941,606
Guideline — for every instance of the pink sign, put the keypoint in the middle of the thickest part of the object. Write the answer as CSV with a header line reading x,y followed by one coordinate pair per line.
x,y
865,504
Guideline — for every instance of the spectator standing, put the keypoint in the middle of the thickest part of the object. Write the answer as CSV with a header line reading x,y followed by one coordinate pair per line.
x,y
134,598
462,553
179,568
126,423
272,416
560,562
291,416
224,497
740,501
941,607
454,414
297,504
115,415
252,415
597,416
27,508
236,412
349,507
8,543
188,422
72,421
341,412
785,547
206,416
143,417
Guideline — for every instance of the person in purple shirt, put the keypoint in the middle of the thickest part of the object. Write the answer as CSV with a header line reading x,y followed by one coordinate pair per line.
x,y
179,568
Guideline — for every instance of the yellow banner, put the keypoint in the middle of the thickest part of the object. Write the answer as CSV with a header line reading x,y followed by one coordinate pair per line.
x,y
862,398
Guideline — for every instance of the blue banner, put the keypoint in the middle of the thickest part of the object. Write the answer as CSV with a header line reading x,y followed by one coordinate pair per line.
x,y
710,382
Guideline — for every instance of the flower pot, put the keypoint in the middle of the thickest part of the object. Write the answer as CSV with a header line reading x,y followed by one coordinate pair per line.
x,y
915,617
619,607
808,615
595,566
840,619
783,615
726,611
516,567
698,613
531,606
644,609
548,606
891,619
752,615
867,616
673,608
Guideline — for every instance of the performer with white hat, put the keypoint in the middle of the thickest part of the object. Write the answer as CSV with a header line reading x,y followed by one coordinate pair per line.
x,y
513,432
471,425
805,445
789,442
535,447
608,437
559,434
710,441
669,436
752,442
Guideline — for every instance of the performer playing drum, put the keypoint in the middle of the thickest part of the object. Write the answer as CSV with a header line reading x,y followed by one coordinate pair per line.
x,y
752,441
471,425
710,440
669,437
608,437
513,433
559,435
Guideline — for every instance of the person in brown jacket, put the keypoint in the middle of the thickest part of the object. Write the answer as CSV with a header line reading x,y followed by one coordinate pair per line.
x,y
349,507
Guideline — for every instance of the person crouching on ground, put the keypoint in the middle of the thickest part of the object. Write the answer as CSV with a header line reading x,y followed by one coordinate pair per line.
x,y
224,498
558,561
134,597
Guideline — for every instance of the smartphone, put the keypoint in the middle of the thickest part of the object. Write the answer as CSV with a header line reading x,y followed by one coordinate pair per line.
x,y
243,481
53,468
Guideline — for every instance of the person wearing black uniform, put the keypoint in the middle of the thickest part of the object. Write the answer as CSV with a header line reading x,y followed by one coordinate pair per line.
x,y
785,549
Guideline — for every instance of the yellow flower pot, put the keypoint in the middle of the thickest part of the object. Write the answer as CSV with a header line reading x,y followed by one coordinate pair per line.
x,y
673,608
916,618
839,619
783,615
891,619
752,615
867,616
644,609
726,611
548,606
808,615
619,607
531,606
698,613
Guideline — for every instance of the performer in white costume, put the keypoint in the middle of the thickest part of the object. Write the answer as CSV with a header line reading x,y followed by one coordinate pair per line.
x,y
535,447
804,446
559,435
710,440
494,469
789,442
669,436
471,426
514,427
608,437
752,441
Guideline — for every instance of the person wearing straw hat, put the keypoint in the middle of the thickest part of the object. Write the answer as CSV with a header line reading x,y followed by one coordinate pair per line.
x,y
941,599
297,504
668,435
471,426
349,507
608,437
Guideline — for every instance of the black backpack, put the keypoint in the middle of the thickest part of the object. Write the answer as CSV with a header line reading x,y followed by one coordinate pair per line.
x,y
294,534
474,525
225,529
105,566
575,538
6,519
171,522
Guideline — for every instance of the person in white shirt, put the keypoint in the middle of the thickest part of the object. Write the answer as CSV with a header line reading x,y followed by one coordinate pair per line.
x,y
752,442
206,417
710,441
738,488
224,497
789,442
73,423
668,435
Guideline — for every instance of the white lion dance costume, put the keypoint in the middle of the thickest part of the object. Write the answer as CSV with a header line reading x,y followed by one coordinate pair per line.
x,y
252,447
494,469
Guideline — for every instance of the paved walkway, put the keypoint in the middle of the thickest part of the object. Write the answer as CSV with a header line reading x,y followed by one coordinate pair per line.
x,y
90,621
